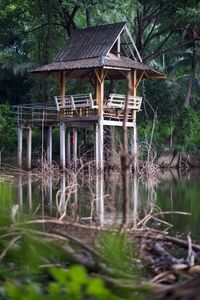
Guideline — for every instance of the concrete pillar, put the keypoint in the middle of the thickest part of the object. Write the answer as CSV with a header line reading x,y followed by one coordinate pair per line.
x,y
19,150
20,191
29,148
49,145
100,198
29,192
75,140
50,194
101,146
134,147
62,146
97,145
68,146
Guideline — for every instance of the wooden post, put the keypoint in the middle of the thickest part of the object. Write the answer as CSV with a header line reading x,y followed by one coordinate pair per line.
x,y
134,135
62,91
19,150
49,145
62,145
74,132
68,146
100,100
29,148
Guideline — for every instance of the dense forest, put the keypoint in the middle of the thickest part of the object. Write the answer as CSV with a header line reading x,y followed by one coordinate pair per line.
x,y
166,33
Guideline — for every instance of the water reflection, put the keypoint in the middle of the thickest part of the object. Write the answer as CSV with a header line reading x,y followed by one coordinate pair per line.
x,y
98,200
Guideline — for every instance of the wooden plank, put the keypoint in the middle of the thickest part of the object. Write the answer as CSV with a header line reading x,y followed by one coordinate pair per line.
x,y
132,41
117,123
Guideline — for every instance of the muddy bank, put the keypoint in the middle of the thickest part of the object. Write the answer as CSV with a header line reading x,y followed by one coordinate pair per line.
x,y
170,158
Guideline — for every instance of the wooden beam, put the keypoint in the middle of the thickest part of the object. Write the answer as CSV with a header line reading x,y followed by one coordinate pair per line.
x,y
62,90
118,47
97,75
132,41
139,79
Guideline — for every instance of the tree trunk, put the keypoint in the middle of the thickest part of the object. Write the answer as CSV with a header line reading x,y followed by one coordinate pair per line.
x,y
191,78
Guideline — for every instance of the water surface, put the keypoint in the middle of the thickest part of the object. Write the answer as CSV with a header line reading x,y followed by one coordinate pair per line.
x,y
99,200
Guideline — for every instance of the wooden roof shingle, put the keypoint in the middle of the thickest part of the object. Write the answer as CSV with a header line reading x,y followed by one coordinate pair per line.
x,y
90,48
90,42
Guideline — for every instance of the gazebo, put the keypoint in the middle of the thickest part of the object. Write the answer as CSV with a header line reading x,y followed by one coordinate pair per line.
x,y
99,53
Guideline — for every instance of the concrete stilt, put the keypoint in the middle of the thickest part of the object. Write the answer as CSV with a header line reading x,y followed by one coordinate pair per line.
x,y
49,145
20,191
96,154
100,198
75,140
62,146
19,150
134,147
101,146
68,146
29,148
50,194
29,190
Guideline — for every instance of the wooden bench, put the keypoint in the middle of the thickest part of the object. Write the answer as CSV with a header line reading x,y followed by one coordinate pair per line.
x,y
118,101
115,105
75,102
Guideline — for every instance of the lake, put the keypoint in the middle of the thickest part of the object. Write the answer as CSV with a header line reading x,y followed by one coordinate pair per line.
x,y
98,200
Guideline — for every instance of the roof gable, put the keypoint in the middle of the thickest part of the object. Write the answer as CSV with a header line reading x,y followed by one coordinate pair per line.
x,y
90,42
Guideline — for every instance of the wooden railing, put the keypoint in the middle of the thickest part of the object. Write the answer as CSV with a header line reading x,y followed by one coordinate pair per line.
x,y
118,101
76,106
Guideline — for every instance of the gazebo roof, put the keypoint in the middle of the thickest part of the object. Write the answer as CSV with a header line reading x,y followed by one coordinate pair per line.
x,y
95,47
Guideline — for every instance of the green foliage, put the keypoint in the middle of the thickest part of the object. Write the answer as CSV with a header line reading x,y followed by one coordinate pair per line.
x,y
8,130
184,129
72,283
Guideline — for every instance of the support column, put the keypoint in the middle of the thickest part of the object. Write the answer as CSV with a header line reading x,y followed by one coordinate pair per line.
x,y
75,140
62,145
19,150
20,191
50,194
100,100
29,148
97,145
101,146
29,189
134,136
49,145
100,198
68,146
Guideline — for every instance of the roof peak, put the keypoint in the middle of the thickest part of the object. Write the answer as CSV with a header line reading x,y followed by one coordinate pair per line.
x,y
102,25
90,42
